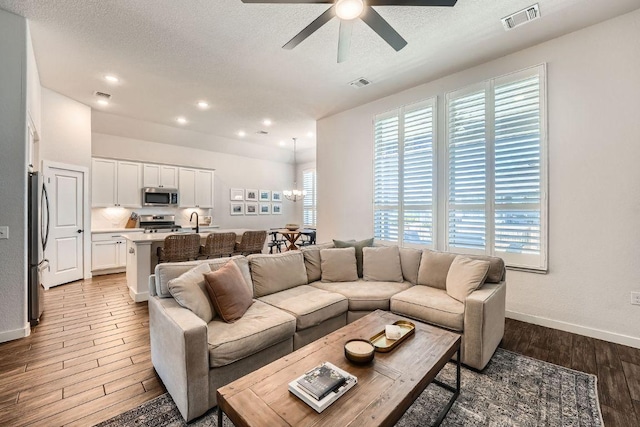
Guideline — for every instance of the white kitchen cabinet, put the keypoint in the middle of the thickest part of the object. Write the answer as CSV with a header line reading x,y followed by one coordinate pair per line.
x,y
116,183
196,188
162,176
108,253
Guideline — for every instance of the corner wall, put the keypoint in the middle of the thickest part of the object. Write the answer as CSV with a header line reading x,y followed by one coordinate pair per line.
x,y
13,174
594,177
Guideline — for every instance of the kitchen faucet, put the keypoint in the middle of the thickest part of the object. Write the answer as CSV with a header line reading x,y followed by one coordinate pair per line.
x,y
197,220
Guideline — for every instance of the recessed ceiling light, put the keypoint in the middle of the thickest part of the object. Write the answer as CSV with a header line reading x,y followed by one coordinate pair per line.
x,y
102,98
103,102
242,133
267,122
203,105
281,143
111,78
181,120
310,134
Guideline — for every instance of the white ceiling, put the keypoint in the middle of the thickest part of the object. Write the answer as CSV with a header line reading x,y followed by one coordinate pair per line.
x,y
170,54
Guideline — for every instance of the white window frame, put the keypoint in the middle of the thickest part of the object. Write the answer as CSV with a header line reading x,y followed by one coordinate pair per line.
x,y
517,261
314,196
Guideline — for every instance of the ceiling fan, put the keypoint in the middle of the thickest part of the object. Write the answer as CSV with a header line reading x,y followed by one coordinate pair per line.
x,y
348,11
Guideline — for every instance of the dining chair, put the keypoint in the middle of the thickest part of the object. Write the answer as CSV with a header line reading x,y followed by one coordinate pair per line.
x,y
251,242
179,247
277,240
219,245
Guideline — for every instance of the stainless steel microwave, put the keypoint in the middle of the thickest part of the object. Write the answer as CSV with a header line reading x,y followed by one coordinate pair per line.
x,y
152,196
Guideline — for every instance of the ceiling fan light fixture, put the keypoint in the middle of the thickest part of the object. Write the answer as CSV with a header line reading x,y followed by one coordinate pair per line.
x,y
349,9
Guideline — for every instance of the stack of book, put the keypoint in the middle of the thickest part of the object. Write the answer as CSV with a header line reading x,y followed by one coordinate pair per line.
x,y
322,385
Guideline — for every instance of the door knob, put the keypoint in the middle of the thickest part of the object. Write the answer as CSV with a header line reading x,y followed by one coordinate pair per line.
x,y
80,231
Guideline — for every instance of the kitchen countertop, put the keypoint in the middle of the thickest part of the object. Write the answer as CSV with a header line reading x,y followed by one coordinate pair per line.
x,y
159,237
117,230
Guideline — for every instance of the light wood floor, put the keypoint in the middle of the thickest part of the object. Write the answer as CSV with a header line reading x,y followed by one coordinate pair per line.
x,y
89,360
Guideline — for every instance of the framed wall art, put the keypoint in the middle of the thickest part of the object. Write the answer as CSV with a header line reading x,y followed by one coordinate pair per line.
x,y
236,194
237,208
251,209
265,195
251,195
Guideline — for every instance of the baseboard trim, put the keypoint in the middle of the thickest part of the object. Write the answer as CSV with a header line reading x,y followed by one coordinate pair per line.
x,y
138,297
576,329
15,334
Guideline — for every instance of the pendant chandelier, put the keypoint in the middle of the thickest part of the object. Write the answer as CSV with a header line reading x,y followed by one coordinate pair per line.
x,y
294,194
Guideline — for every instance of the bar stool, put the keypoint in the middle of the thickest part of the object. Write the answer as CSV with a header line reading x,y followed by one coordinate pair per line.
x,y
179,247
252,242
219,245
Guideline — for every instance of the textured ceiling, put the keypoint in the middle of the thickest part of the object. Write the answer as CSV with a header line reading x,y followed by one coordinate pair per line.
x,y
169,54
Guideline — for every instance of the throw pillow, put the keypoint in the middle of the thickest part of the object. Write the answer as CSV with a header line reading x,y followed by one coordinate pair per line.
x,y
189,290
358,247
465,276
382,264
228,292
434,267
338,265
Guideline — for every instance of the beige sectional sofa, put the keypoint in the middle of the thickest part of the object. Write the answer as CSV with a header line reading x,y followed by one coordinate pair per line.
x,y
293,307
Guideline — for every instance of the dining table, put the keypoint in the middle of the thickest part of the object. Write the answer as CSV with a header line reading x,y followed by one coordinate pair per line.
x,y
292,236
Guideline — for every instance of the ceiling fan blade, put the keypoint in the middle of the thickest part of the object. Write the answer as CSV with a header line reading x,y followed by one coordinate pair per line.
x,y
382,27
311,28
344,40
443,3
287,1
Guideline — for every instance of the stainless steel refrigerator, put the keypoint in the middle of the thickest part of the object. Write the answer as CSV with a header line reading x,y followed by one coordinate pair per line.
x,y
38,233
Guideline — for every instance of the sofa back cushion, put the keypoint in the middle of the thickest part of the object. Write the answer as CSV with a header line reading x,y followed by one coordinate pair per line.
x,y
312,260
381,264
434,267
228,293
189,290
358,247
465,276
410,263
170,270
339,265
274,273
496,271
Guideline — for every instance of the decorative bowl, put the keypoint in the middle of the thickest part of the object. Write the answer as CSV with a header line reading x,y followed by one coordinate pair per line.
x,y
292,227
359,351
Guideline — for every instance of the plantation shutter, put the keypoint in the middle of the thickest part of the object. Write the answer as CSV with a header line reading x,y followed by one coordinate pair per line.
x,y
418,175
518,170
467,184
386,177
309,201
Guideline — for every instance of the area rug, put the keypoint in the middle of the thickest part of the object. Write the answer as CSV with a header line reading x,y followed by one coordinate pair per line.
x,y
513,390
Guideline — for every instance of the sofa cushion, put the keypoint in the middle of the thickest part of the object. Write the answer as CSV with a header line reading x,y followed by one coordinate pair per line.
x,y
189,290
430,305
465,276
496,267
434,267
170,270
274,273
381,264
358,247
410,263
261,327
365,296
310,306
312,260
338,265
228,292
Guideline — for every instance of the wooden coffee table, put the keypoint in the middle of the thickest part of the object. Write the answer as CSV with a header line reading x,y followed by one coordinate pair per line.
x,y
385,390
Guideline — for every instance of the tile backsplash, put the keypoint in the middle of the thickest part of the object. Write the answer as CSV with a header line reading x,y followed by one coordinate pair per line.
x,y
102,218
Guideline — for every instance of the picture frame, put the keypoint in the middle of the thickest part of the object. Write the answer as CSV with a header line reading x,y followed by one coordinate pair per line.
x,y
251,195
236,194
265,208
264,195
276,208
236,208
251,209
276,196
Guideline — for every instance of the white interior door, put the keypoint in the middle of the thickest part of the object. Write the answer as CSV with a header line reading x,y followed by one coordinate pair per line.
x,y
65,249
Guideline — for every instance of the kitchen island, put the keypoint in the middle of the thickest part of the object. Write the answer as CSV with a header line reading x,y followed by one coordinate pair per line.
x,y
142,258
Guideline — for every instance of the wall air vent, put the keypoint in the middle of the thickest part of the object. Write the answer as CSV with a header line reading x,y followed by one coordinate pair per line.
x,y
102,95
521,17
262,132
358,83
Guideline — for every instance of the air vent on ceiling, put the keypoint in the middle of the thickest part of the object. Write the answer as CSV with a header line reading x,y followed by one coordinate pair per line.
x,y
521,17
262,132
358,83
103,95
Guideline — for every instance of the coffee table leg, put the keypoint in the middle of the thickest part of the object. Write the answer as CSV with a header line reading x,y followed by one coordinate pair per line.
x,y
455,390
220,413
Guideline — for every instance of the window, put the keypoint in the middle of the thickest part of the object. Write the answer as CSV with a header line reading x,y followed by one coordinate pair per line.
x,y
309,201
495,167
403,175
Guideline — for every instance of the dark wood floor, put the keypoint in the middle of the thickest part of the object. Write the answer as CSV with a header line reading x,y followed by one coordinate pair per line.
x,y
89,360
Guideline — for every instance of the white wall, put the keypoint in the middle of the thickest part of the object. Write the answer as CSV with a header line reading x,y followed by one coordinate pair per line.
x,y
594,177
33,87
231,171
13,174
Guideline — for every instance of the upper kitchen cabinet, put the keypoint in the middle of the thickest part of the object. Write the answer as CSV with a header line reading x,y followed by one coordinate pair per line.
x,y
116,183
196,188
162,176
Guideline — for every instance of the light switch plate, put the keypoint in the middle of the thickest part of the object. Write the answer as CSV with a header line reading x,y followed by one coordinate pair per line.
x,y
4,232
